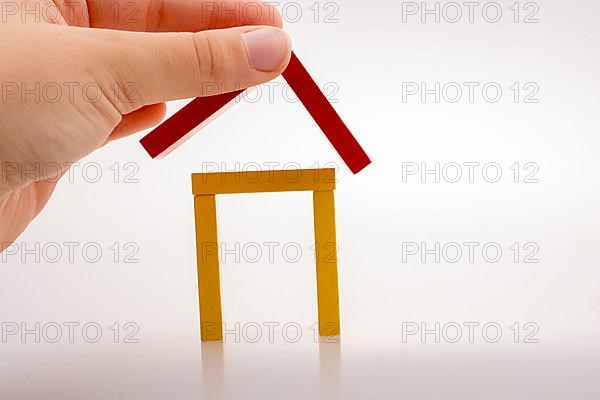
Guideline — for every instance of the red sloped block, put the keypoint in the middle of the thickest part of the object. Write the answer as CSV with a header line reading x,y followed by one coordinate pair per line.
x,y
325,116
177,129
199,112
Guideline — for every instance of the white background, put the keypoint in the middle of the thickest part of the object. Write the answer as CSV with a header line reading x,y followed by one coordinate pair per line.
x,y
369,55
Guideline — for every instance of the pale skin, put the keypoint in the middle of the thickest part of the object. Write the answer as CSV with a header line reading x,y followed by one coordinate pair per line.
x,y
131,56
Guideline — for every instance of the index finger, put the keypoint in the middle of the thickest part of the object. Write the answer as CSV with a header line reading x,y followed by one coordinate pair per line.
x,y
180,15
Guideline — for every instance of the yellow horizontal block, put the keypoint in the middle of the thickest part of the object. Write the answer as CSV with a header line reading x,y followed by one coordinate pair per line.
x,y
264,181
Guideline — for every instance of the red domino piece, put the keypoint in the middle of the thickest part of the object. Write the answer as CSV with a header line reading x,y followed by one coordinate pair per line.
x,y
325,116
199,112
177,129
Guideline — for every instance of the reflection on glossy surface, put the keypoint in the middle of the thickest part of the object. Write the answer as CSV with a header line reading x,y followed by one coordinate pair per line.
x,y
322,380
330,361
213,371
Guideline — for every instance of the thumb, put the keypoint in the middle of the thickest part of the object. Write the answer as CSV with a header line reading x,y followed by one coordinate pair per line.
x,y
158,67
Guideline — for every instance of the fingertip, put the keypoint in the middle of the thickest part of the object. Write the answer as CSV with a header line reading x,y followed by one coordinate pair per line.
x,y
269,49
288,57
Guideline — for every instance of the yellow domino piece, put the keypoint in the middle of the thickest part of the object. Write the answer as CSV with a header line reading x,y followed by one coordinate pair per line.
x,y
209,282
263,181
327,271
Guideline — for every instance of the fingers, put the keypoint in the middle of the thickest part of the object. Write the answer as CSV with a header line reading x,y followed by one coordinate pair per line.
x,y
170,66
180,15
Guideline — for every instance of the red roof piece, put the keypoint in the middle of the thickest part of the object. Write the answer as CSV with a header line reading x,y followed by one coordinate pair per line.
x,y
184,123
165,137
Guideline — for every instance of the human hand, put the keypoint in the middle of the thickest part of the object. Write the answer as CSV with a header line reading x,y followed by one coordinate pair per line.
x,y
69,87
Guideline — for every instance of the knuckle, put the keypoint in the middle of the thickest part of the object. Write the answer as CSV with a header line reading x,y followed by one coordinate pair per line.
x,y
209,58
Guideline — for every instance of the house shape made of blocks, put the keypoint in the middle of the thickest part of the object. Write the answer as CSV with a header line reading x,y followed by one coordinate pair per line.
x,y
206,187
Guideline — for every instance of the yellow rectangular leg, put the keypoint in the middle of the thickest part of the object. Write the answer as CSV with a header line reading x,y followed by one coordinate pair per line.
x,y
326,257
209,283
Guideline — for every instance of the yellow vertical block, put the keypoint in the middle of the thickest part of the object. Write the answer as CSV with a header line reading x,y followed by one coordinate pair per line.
x,y
326,257
209,282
